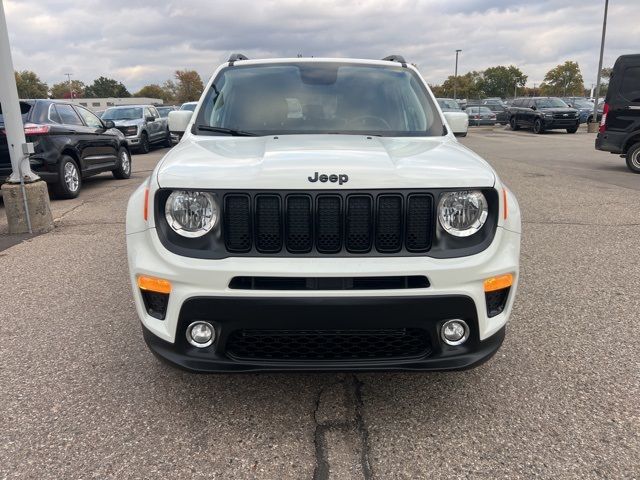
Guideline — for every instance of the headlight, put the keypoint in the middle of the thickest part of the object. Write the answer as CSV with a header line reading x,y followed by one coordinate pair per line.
x,y
462,213
132,130
191,214
548,115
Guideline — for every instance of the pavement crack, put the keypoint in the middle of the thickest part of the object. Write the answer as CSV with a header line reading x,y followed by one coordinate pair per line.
x,y
321,470
362,429
583,224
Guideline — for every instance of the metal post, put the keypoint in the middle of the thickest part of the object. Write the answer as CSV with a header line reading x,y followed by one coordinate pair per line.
x,y
597,94
21,168
515,90
455,78
70,89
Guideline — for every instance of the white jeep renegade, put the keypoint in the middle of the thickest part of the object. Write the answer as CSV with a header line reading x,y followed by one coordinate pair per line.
x,y
319,214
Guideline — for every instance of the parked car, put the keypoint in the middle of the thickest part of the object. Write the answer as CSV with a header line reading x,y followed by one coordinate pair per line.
x,y
543,113
165,109
583,105
480,115
142,125
501,112
360,236
70,142
456,118
620,125
191,106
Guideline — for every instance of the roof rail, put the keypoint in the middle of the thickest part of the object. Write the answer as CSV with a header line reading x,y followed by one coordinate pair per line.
x,y
235,57
395,58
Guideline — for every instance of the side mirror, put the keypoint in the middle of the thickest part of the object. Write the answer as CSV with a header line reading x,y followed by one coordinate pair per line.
x,y
533,107
108,124
179,120
150,118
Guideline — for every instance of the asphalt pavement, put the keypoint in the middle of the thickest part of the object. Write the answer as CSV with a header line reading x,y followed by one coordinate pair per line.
x,y
82,397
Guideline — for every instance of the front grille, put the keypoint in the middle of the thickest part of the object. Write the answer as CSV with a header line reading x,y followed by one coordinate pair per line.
x,y
328,223
328,345
329,283
565,116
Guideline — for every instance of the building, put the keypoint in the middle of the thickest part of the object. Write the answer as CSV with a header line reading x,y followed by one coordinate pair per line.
x,y
98,104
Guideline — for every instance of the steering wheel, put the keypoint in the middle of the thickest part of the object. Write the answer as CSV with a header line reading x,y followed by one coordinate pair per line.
x,y
362,121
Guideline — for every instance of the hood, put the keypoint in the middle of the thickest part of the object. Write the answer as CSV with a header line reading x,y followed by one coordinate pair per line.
x,y
128,123
292,161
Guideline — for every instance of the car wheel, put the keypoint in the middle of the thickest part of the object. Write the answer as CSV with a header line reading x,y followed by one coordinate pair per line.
x,y
572,130
537,126
633,158
590,119
144,143
123,165
463,134
69,178
513,124
167,141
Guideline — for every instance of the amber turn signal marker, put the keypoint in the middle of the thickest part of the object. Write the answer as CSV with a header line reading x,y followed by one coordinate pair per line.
x,y
152,284
498,283
146,203
504,197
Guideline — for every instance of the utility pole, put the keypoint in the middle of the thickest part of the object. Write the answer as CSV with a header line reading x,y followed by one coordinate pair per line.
x,y
593,125
24,191
534,89
515,90
455,77
70,89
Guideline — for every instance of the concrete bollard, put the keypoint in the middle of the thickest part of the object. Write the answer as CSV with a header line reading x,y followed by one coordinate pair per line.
x,y
593,127
37,202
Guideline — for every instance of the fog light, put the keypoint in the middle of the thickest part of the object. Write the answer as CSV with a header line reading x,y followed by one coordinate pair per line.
x,y
454,332
200,334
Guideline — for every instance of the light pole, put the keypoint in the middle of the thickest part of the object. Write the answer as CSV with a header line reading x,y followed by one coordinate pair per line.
x,y
24,191
455,78
594,121
70,89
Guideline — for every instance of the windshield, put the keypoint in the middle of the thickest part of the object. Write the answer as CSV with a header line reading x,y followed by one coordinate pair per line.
x,y
550,103
582,104
319,98
132,113
164,111
25,108
447,105
189,106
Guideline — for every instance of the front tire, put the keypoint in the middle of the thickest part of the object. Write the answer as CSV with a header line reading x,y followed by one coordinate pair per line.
x,y
513,124
69,178
144,143
538,128
572,130
633,158
123,165
167,141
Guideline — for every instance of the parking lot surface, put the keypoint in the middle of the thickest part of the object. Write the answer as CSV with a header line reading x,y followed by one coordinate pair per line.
x,y
82,397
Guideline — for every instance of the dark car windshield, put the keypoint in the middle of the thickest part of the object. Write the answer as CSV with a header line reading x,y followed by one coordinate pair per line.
x,y
550,103
319,98
582,104
131,113
189,106
447,105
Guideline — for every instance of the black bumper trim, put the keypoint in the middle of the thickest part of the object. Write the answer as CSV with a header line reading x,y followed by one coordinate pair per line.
x,y
229,314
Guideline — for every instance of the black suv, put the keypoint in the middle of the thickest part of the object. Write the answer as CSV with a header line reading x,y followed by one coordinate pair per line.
x,y
543,113
70,143
620,124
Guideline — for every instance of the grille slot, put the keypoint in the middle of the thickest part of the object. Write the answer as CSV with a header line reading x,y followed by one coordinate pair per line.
x,y
268,224
299,224
358,224
389,224
419,222
237,219
329,224
328,345
328,283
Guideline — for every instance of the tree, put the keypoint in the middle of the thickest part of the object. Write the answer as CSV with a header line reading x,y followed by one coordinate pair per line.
x,y
154,91
61,90
30,86
171,90
189,86
563,80
501,81
469,85
103,87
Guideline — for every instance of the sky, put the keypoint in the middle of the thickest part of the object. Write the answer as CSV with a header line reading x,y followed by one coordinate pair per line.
x,y
139,42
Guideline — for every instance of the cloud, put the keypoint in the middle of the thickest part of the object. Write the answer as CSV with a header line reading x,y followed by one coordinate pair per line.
x,y
143,41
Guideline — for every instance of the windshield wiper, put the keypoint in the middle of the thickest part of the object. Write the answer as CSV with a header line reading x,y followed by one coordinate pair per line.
x,y
229,131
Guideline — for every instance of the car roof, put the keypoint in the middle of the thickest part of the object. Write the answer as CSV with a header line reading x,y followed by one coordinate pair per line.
x,y
357,61
132,106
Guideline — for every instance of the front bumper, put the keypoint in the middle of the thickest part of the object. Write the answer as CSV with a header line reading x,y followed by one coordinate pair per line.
x,y
133,141
557,123
207,281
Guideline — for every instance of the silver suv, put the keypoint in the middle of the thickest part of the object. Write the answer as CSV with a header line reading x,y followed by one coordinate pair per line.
x,y
141,124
